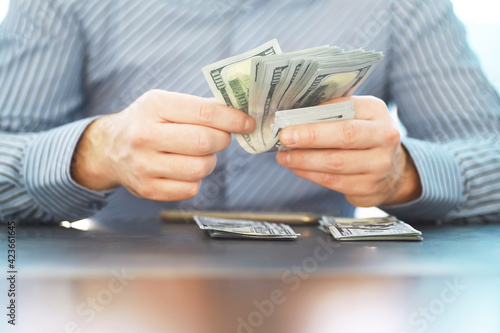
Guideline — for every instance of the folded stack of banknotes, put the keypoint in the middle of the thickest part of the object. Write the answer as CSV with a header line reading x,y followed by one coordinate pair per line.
x,y
232,228
377,228
387,228
284,89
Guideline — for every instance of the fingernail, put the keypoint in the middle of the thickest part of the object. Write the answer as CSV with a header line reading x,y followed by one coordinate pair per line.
x,y
284,157
289,137
248,125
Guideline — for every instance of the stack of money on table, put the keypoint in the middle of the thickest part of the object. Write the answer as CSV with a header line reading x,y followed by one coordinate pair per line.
x,y
232,228
378,228
284,89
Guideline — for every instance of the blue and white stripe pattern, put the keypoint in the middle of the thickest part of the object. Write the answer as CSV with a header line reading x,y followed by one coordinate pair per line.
x,y
63,62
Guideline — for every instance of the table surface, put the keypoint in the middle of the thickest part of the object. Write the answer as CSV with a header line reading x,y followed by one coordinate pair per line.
x,y
184,250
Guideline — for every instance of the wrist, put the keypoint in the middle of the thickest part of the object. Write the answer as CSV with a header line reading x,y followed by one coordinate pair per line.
x,y
408,186
90,166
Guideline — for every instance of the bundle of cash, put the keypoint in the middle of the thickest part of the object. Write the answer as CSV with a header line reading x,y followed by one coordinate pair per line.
x,y
378,228
232,228
267,84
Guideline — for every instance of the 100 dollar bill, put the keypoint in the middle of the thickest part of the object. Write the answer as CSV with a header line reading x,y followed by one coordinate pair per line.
x,y
263,81
234,93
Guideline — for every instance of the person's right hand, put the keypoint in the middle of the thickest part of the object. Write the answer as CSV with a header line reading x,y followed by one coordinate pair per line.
x,y
159,148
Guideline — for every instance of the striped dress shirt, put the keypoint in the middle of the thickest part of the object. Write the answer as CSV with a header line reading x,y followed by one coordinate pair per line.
x,y
65,62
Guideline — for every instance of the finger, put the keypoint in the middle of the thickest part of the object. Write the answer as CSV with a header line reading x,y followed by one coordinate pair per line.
x,y
178,167
359,185
364,201
187,139
161,189
187,109
343,162
365,107
347,134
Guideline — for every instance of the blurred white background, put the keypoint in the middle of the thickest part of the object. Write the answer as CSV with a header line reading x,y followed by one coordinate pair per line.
x,y
4,5
482,20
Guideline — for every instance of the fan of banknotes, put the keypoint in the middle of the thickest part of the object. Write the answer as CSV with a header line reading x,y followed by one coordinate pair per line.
x,y
374,228
284,89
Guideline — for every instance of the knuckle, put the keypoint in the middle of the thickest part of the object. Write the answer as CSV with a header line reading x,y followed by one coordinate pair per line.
x,y
312,135
138,167
152,95
198,170
191,190
347,133
384,164
379,165
201,168
204,143
377,104
139,137
334,161
377,101
206,113
145,191
329,180
393,136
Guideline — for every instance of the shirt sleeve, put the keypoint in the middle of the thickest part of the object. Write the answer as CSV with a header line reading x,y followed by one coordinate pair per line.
x,y
41,103
451,113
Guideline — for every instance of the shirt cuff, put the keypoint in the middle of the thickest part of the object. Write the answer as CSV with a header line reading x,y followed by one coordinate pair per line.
x,y
441,183
47,174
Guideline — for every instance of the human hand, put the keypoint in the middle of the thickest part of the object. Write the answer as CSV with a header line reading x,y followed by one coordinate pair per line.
x,y
159,148
361,158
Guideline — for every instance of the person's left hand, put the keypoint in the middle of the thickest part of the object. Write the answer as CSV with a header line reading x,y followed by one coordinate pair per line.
x,y
361,158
